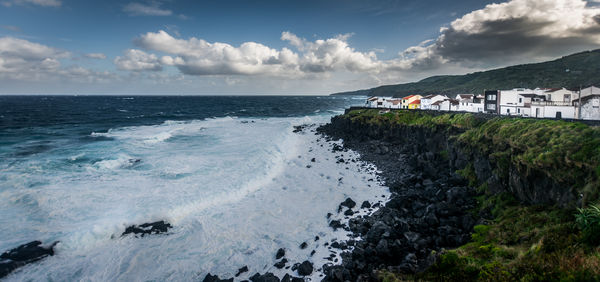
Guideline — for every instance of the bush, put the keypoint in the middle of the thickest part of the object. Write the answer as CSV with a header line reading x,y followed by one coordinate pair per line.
x,y
588,220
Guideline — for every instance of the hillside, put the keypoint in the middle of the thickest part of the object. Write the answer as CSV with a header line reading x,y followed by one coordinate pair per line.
x,y
570,72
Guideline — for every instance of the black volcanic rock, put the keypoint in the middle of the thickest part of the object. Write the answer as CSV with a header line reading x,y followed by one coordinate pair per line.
x,y
303,245
335,224
267,277
305,268
23,255
289,278
241,270
349,203
157,227
365,205
427,209
280,253
281,264
215,278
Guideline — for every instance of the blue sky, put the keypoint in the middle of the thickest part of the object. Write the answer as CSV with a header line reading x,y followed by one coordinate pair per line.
x,y
274,47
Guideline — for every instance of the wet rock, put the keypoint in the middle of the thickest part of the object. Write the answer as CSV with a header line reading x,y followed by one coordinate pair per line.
x,y
303,245
267,277
349,203
241,270
280,253
148,228
305,268
289,278
215,278
23,255
313,160
365,205
335,224
281,264
348,212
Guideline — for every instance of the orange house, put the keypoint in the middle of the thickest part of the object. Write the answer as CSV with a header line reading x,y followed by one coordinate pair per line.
x,y
409,99
416,104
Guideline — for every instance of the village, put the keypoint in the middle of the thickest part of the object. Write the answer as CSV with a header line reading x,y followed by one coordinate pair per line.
x,y
558,103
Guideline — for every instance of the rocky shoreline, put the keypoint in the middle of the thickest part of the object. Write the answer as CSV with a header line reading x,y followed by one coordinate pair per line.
x,y
427,212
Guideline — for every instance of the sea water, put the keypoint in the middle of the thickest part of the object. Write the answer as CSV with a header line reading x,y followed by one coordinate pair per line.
x,y
228,173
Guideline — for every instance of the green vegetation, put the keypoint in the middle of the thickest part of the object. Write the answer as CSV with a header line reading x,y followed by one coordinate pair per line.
x,y
522,243
567,152
570,71
588,220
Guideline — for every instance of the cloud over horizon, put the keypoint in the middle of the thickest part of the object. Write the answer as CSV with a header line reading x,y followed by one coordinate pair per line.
x,y
43,3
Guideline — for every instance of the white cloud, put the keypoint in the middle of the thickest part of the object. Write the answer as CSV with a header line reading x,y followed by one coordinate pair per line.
x,y
137,60
152,9
28,61
199,57
512,32
44,3
18,56
98,56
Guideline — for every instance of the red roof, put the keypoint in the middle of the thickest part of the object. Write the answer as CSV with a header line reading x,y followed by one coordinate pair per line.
x,y
415,102
407,97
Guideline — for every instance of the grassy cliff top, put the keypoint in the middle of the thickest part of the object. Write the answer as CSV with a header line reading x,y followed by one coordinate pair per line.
x,y
568,152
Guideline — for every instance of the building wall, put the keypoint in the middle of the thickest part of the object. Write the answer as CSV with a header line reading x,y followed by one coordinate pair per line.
x,y
539,110
559,96
566,111
591,109
491,101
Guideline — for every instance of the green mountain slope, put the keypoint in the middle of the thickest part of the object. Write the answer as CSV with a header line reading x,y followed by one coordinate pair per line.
x,y
570,72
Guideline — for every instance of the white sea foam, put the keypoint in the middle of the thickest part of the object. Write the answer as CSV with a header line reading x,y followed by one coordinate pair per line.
x,y
236,190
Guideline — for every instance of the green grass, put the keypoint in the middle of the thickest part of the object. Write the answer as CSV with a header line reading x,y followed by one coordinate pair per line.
x,y
523,243
566,152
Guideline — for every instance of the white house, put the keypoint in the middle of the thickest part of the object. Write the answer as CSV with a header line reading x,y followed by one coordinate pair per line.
x,y
554,103
446,105
516,101
464,101
560,97
427,101
384,102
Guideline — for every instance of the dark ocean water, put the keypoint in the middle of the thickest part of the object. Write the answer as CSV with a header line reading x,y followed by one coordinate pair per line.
x,y
109,111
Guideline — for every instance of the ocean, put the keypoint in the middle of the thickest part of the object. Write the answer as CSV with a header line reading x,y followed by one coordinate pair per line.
x,y
228,173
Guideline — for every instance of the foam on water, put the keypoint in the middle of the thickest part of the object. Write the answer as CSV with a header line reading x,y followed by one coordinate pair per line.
x,y
235,190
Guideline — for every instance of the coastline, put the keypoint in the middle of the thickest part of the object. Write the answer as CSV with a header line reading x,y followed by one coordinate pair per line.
x,y
428,210
528,201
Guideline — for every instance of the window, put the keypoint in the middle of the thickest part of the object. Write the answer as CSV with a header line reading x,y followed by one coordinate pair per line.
x,y
491,107
508,111
567,98
520,100
491,97
519,110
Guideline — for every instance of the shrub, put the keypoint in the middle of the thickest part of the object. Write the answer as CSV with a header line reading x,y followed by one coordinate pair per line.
x,y
588,220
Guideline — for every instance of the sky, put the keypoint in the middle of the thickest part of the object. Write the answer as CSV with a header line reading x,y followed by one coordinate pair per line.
x,y
285,47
